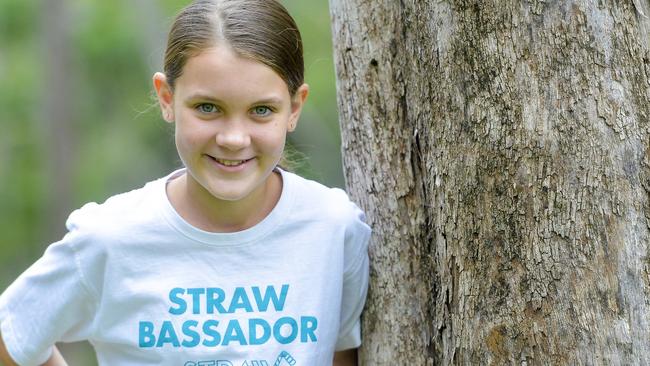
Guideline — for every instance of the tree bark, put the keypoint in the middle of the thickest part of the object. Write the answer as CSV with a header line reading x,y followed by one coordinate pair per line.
x,y
501,152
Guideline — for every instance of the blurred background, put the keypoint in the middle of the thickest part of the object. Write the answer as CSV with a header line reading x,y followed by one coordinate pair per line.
x,y
78,121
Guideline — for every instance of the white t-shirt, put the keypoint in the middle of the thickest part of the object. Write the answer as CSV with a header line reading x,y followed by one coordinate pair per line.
x,y
147,288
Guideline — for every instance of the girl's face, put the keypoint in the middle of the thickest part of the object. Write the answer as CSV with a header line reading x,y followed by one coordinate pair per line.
x,y
232,115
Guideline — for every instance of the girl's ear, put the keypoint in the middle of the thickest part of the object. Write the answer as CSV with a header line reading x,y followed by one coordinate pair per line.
x,y
165,96
297,101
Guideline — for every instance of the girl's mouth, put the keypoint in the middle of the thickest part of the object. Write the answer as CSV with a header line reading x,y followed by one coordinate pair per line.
x,y
231,162
227,163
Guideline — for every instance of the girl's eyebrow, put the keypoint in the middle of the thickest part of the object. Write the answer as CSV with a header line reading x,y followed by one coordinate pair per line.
x,y
200,96
270,100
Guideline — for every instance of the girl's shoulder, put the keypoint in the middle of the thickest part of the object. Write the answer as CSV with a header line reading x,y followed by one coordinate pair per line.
x,y
321,200
331,210
118,212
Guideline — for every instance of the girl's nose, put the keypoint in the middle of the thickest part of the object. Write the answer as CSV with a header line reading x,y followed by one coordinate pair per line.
x,y
233,138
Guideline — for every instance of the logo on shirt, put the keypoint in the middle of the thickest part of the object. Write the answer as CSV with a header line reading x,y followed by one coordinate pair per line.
x,y
282,360
285,356
255,321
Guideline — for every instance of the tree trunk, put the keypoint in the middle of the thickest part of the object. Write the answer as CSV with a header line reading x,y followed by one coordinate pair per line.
x,y
501,152
57,114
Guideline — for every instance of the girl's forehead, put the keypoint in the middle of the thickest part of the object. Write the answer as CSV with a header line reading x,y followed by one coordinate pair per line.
x,y
223,65
223,59
220,70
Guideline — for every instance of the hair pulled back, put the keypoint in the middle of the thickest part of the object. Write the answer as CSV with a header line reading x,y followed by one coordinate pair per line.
x,y
261,30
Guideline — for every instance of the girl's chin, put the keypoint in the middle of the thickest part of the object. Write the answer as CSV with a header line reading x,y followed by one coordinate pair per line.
x,y
232,191
230,184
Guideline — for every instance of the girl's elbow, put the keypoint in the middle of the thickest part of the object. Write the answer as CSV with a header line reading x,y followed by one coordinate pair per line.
x,y
345,358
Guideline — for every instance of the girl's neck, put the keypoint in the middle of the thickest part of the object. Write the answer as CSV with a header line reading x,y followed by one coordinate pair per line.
x,y
202,210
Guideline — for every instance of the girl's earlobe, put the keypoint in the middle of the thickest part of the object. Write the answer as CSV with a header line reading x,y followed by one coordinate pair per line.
x,y
165,96
297,102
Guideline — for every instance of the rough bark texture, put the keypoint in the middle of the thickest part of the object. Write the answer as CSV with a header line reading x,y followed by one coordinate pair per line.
x,y
500,150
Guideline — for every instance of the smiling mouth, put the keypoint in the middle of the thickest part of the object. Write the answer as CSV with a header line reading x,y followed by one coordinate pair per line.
x,y
227,162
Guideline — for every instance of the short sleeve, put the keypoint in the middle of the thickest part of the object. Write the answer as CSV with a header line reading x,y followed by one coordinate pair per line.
x,y
355,281
49,302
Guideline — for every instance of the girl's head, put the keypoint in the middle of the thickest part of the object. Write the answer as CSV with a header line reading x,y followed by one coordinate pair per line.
x,y
260,30
233,86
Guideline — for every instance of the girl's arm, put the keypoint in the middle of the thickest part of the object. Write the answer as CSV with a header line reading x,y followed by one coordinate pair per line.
x,y
345,358
4,355
55,360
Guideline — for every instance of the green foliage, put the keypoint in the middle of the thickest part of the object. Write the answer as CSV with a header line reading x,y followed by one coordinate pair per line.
x,y
21,170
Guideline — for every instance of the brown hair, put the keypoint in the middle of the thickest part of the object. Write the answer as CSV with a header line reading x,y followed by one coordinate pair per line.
x,y
261,30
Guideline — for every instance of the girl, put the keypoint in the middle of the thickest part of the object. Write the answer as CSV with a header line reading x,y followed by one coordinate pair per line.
x,y
229,261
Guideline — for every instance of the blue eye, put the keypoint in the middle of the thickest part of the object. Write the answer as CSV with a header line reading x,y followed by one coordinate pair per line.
x,y
262,111
207,108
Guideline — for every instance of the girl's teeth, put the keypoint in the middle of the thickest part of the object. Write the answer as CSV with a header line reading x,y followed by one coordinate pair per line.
x,y
230,162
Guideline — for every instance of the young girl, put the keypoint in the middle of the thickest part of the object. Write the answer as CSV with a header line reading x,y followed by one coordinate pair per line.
x,y
230,261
